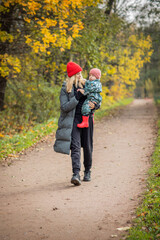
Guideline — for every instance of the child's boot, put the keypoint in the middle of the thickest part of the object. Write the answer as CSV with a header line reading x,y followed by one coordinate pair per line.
x,y
84,123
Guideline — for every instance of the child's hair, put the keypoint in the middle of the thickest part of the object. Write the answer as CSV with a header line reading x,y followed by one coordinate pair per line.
x,y
73,80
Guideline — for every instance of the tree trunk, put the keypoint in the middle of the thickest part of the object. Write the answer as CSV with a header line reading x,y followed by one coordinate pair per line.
x,y
6,22
3,83
109,7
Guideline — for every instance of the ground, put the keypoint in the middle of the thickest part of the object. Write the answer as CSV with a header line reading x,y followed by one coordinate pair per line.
x,y
38,202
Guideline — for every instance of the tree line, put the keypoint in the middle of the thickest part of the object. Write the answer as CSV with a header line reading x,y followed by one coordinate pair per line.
x,y
38,38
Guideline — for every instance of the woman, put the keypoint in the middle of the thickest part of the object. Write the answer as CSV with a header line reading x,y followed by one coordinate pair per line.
x,y
68,135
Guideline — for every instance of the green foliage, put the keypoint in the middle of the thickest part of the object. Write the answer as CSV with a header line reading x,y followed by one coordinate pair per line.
x,y
27,103
147,223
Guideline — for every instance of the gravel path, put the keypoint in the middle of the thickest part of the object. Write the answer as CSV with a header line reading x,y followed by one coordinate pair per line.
x,y
37,201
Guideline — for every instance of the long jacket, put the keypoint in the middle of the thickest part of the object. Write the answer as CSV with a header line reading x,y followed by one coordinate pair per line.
x,y
68,104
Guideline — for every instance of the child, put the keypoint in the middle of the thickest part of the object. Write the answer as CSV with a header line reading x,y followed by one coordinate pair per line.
x,y
92,89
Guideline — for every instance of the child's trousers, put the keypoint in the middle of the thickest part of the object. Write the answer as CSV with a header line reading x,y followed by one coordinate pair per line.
x,y
86,108
81,137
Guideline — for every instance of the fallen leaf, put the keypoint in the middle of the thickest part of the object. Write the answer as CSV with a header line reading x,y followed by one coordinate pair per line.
x,y
38,209
12,155
123,228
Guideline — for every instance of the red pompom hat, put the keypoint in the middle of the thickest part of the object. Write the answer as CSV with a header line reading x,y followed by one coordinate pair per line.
x,y
73,68
96,72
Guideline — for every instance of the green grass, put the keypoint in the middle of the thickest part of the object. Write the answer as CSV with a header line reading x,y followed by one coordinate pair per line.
x,y
10,145
147,222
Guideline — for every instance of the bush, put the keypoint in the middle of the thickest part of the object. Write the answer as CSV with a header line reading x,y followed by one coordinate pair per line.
x,y
28,103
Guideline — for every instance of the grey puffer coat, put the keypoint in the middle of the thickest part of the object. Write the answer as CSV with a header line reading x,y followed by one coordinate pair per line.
x,y
68,104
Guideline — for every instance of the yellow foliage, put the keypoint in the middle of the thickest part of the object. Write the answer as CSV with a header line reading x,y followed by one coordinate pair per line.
x,y
129,61
62,11
4,36
50,22
1,135
9,64
27,20
53,66
32,7
28,40
133,39
112,70
62,67
106,98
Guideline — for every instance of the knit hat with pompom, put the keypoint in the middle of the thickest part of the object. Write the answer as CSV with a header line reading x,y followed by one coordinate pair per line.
x,y
73,68
95,72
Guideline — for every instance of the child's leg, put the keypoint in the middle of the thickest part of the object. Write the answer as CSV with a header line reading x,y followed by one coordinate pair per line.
x,y
85,115
86,108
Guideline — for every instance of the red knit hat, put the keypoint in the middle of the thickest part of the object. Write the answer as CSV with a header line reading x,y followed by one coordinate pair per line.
x,y
73,68
96,72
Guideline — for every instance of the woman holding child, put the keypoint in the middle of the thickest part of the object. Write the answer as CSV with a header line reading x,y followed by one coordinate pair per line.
x,y
74,129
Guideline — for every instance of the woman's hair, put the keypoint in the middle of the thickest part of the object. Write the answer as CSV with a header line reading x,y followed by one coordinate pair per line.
x,y
73,80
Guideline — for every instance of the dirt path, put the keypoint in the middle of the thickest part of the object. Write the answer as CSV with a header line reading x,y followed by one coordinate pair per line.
x,y
37,201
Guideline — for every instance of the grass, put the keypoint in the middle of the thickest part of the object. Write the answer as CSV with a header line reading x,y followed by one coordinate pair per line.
x,y
10,145
147,223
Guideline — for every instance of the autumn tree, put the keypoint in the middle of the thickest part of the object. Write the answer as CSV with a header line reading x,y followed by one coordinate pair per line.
x,y
149,23
36,25
145,16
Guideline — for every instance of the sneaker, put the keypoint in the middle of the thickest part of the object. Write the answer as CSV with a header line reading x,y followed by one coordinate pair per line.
x,y
87,176
76,179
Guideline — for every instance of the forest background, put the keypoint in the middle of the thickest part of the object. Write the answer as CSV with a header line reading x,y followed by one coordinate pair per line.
x,y
38,38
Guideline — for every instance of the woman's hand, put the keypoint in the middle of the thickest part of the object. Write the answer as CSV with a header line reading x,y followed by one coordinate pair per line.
x,y
79,94
92,105
80,90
